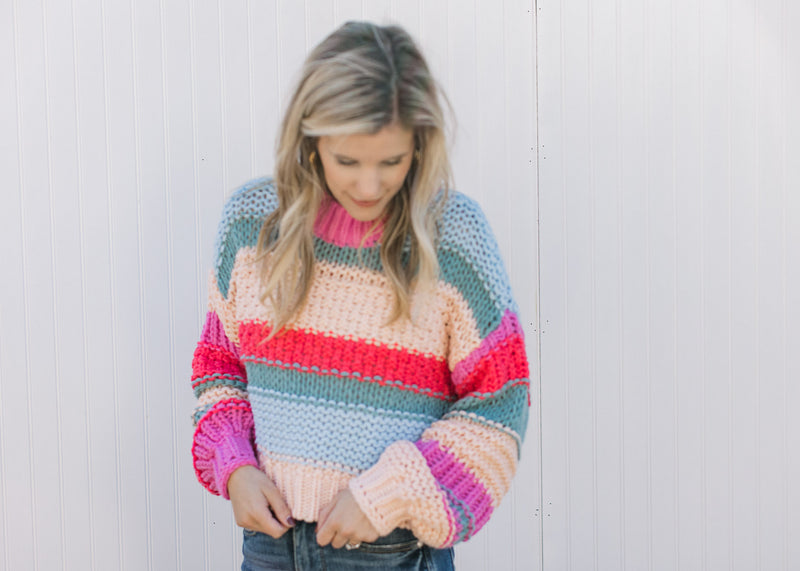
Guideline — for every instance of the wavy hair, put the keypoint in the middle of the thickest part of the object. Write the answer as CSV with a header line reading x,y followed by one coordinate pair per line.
x,y
358,80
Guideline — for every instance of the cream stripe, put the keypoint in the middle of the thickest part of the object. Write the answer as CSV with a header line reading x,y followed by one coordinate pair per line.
x,y
217,394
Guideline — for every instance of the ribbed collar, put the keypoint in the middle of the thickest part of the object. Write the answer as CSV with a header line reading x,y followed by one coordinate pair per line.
x,y
335,225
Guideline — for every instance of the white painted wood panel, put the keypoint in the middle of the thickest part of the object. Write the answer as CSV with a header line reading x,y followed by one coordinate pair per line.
x,y
668,230
124,126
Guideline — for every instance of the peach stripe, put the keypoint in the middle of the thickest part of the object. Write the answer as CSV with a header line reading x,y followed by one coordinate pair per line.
x,y
334,291
489,454
306,489
223,308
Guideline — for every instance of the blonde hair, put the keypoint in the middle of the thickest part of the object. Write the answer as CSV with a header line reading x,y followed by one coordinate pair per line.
x,y
359,79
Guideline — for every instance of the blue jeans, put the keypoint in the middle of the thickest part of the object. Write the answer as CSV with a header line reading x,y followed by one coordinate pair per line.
x,y
298,550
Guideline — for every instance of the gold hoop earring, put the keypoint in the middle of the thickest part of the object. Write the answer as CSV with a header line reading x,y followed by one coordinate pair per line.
x,y
312,156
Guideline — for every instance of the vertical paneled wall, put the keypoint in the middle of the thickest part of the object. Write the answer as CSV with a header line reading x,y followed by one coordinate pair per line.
x,y
123,125
669,188
651,238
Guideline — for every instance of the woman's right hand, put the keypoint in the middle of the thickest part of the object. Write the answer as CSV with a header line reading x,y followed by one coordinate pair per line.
x,y
257,503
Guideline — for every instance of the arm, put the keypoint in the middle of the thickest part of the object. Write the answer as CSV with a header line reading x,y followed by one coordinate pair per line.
x,y
224,428
445,486
223,437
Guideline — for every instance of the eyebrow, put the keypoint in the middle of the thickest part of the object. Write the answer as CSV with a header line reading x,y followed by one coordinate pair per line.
x,y
345,157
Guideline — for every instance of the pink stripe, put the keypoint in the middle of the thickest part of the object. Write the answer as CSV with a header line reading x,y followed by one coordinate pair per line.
x,y
335,225
460,482
509,326
214,334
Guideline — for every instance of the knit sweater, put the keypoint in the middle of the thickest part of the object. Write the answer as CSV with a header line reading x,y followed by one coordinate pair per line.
x,y
422,419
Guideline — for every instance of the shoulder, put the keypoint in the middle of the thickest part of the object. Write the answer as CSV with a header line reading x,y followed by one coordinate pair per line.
x,y
463,227
469,256
254,199
242,216
461,216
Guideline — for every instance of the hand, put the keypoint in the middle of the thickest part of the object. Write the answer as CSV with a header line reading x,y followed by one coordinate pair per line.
x,y
342,522
257,503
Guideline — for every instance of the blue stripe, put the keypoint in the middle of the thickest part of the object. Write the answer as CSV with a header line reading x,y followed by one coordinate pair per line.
x,y
351,435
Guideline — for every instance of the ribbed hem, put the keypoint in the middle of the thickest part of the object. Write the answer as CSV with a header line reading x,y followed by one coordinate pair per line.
x,y
306,489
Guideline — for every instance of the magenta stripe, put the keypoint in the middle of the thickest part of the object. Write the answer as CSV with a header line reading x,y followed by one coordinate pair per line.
x,y
214,334
335,225
459,481
509,325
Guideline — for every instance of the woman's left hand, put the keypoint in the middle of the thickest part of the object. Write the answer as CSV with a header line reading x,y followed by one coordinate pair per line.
x,y
342,522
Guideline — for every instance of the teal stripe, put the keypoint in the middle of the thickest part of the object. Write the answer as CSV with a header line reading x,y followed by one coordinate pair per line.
x,y
331,387
465,230
507,407
218,382
242,217
485,308
200,412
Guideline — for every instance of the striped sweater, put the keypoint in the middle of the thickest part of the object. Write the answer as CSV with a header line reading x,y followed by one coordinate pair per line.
x,y
422,420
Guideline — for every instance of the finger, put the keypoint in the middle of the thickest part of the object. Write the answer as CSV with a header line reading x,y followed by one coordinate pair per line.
x,y
278,505
266,523
324,513
325,533
339,541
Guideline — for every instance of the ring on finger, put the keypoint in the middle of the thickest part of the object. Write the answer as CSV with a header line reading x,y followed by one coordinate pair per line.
x,y
350,546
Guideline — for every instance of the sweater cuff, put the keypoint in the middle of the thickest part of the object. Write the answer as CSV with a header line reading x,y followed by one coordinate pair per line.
x,y
399,491
234,452
223,441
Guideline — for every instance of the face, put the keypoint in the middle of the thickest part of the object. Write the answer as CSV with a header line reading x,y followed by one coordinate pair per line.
x,y
364,172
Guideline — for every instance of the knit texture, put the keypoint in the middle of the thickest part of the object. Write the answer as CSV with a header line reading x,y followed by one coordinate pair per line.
x,y
422,419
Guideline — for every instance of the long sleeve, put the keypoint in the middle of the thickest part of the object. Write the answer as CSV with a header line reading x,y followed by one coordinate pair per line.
x,y
224,428
445,486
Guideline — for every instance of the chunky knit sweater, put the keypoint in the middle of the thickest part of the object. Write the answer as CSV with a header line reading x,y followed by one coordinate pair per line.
x,y
422,419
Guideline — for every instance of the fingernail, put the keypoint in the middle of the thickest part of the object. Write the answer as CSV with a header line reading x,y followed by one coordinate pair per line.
x,y
291,521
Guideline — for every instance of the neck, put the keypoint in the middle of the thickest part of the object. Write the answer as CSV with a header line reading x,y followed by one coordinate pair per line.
x,y
335,225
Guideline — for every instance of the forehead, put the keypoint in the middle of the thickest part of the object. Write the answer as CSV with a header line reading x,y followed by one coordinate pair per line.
x,y
390,141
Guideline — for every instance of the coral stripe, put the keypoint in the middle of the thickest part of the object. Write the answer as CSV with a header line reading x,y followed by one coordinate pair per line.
x,y
509,326
503,363
339,356
210,359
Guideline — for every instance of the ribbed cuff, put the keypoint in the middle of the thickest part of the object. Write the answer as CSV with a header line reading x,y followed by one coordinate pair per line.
x,y
380,496
232,453
400,491
223,441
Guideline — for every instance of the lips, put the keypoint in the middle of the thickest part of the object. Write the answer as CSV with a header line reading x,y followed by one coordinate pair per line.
x,y
366,204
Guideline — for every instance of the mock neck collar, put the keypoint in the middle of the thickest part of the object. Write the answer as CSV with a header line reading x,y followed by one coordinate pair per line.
x,y
335,225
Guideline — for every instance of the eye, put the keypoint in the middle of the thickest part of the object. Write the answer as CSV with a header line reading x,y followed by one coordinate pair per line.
x,y
393,162
345,162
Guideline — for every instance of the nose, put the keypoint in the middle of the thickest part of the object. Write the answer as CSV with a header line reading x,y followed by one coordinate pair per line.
x,y
369,185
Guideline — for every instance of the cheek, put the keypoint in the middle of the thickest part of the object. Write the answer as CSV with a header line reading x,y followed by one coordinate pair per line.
x,y
396,178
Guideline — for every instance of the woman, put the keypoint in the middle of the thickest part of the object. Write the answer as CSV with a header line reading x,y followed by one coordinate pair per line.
x,y
361,377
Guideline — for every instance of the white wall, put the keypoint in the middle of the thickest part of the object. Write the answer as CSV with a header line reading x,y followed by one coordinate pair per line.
x,y
666,184
669,194
123,125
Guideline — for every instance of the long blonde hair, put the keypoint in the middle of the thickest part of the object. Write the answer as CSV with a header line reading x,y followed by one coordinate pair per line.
x,y
359,79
